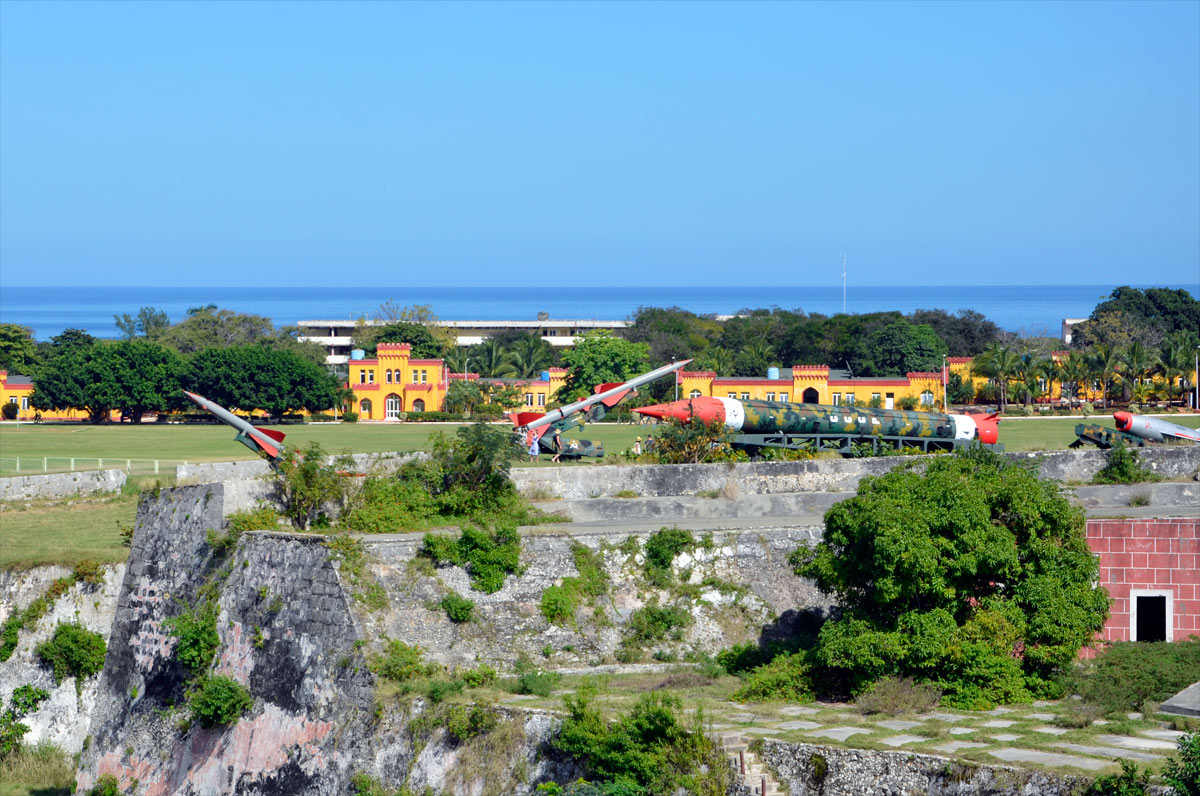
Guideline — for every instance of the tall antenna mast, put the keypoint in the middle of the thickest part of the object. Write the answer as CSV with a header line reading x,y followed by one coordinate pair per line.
x,y
843,283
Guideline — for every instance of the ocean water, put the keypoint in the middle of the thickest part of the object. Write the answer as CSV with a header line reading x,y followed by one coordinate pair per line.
x,y
1032,309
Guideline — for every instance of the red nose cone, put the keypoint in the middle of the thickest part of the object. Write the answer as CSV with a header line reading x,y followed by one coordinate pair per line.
x,y
989,431
706,409
1124,420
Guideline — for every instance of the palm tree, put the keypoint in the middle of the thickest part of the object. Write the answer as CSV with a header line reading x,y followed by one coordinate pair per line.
x,y
717,359
458,359
1138,361
1031,369
1104,361
529,357
1073,373
999,363
489,355
1175,360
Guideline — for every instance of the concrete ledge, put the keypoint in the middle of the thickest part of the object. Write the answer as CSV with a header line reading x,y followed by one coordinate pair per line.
x,y
816,475
56,485
1178,494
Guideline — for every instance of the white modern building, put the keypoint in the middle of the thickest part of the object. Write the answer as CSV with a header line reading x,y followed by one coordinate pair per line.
x,y
336,336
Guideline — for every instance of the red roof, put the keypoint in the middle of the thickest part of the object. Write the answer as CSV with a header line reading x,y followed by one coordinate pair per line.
x,y
868,383
361,387
421,387
425,361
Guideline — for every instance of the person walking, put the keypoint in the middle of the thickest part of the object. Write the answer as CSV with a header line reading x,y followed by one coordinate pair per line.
x,y
637,446
558,446
533,447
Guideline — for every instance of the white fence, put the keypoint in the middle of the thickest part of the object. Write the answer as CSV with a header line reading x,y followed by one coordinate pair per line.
x,y
32,465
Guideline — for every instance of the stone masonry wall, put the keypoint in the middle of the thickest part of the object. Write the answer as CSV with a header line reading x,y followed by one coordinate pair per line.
x,y
816,475
809,770
741,581
56,485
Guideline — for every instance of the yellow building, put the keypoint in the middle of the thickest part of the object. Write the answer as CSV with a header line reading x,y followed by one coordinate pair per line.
x,y
15,389
817,384
393,382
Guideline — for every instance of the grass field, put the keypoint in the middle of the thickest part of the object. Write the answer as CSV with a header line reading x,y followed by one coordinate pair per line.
x,y
171,444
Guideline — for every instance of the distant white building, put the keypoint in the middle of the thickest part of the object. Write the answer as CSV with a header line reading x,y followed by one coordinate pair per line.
x,y
1066,328
335,336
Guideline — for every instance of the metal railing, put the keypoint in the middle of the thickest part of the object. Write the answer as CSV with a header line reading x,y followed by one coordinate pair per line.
x,y
36,465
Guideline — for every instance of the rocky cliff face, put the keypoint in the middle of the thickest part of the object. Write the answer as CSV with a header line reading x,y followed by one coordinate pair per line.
x,y
287,633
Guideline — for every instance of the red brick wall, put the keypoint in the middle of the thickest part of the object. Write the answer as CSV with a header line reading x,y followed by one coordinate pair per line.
x,y
1162,554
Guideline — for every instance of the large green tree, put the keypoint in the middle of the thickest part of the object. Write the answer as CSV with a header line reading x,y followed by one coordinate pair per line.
x,y
150,322
135,376
599,357
256,377
18,354
900,347
974,575
965,333
424,344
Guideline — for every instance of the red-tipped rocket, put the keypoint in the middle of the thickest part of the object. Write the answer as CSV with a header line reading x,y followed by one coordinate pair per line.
x,y
606,394
1152,428
771,417
264,441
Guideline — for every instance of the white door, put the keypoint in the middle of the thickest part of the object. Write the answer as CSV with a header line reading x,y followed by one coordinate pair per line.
x,y
393,407
889,402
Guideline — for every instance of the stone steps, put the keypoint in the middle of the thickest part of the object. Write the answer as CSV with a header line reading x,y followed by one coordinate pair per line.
x,y
751,771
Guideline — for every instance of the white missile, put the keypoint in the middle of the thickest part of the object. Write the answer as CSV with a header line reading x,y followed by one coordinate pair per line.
x,y
606,394
260,440
1153,429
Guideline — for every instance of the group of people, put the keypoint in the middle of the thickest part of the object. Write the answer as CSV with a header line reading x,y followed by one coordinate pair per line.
x,y
535,446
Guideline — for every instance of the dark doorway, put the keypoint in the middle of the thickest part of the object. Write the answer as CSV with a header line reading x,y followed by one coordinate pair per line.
x,y
1151,619
811,396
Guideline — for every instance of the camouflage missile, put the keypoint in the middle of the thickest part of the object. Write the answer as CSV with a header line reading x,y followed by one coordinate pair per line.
x,y
774,417
264,441
1153,429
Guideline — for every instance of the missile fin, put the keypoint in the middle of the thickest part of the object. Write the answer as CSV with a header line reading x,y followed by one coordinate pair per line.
x,y
615,398
273,434
523,418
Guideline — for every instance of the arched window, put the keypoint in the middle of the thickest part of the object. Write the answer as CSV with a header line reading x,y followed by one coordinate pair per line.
x,y
365,408
811,396
694,394
927,398
387,376
419,405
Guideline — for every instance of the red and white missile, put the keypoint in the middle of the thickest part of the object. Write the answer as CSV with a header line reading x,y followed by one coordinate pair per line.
x,y
264,441
608,395
1153,429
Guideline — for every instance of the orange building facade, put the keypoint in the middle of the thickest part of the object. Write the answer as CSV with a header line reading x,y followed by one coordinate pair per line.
x,y
394,382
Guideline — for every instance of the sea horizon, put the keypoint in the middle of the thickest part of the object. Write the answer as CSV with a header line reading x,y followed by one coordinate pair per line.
x,y
1028,309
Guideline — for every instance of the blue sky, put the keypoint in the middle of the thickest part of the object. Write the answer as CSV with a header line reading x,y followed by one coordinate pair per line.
x,y
616,143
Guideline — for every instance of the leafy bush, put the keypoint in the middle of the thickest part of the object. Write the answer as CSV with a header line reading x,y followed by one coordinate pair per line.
x,y
661,549
457,607
1123,467
106,785
218,701
974,576
438,690
73,651
195,632
480,676
88,571
655,622
786,677
9,411
694,442
263,518
559,603
1128,783
24,700
1128,673
537,683
896,695
350,417
1182,770
463,723
489,556
306,486
400,662
646,751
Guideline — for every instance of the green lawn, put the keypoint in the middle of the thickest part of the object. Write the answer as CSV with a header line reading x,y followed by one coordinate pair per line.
x,y
1056,433
172,444
65,532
